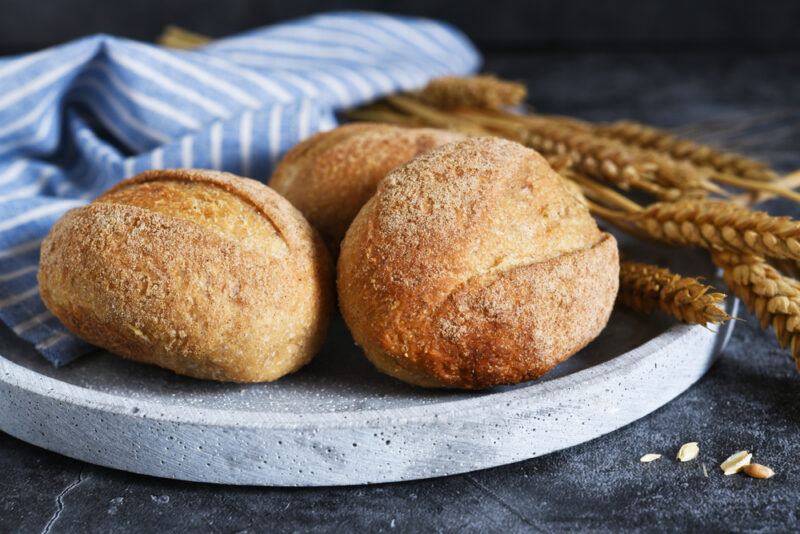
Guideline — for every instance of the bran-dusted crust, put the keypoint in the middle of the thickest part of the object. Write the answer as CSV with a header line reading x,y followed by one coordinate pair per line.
x,y
475,265
207,274
331,175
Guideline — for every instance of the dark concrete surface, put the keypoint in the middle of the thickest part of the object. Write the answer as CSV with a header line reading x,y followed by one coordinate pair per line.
x,y
749,400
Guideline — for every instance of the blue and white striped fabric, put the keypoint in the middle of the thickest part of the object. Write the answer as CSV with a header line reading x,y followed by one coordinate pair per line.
x,y
79,117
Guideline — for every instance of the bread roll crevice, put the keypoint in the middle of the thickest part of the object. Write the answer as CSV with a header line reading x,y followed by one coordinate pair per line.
x,y
497,320
191,176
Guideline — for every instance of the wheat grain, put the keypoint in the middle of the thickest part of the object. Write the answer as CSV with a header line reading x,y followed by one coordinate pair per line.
x,y
645,288
483,92
548,133
758,471
650,457
633,133
718,224
772,297
736,462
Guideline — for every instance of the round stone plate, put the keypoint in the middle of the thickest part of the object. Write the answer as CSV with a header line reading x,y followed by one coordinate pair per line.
x,y
338,421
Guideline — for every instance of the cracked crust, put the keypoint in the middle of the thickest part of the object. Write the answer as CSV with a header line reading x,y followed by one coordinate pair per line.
x,y
330,176
475,265
207,274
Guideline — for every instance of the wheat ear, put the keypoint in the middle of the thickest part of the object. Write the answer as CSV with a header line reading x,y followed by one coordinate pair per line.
x,y
177,37
599,158
716,225
772,297
485,92
633,133
645,288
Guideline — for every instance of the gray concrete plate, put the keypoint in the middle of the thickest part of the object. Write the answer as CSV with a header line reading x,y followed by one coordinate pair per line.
x,y
338,421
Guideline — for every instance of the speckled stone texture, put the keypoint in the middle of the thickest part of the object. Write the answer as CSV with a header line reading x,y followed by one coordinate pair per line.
x,y
750,399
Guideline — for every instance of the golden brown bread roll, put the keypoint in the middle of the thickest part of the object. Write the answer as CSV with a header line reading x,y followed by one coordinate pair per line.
x,y
331,175
202,272
475,265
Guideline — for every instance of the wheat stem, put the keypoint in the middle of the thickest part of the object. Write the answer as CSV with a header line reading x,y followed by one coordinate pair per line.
x,y
600,193
789,182
434,116
770,187
378,114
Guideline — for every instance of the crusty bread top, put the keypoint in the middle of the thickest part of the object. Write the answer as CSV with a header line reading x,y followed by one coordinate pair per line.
x,y
478,205
330,176
239,208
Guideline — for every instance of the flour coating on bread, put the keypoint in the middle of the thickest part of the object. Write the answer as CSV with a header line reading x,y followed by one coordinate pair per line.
x,y
204,273
468,266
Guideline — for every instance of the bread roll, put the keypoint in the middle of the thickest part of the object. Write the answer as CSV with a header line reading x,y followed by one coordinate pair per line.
x,y
202,272
331,175
475,265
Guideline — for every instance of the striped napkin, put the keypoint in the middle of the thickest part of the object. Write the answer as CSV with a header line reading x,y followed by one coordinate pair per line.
x,y
77,118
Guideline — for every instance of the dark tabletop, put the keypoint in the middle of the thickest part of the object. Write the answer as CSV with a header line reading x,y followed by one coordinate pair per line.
x,y
749,400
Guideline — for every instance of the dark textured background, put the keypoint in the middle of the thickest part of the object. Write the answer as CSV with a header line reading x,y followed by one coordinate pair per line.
x,y
730,68
496,26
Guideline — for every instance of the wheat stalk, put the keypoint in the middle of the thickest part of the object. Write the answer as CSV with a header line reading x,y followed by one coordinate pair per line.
x,y
645,288
643,136
593,156
642,157
603,159
785,184
433,116
715,225
595,191
484,92
380,113
772,297
628,155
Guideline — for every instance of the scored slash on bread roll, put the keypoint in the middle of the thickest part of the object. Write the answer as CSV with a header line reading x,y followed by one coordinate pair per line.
x,y
475,265
201,272
331,175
